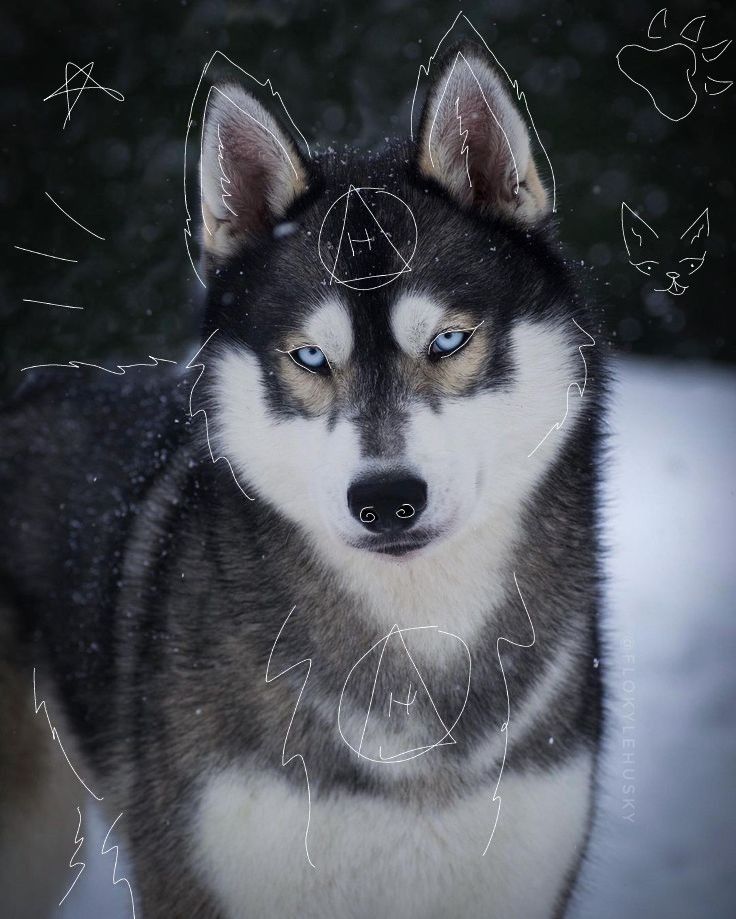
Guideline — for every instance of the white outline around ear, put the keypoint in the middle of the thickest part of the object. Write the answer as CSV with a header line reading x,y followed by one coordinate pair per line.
x,y
703,219
624,209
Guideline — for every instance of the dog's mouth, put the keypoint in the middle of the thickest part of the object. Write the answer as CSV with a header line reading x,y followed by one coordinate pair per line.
x,y
395,546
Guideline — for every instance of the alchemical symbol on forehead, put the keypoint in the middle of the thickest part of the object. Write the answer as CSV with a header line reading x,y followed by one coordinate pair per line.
x,y
353,246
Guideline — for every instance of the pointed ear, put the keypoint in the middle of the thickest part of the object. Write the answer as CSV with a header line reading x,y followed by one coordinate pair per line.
x,y
698,231
250,170
637,232
473,141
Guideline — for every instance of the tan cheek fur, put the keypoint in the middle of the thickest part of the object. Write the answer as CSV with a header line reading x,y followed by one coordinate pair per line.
x,y
310,390
453,375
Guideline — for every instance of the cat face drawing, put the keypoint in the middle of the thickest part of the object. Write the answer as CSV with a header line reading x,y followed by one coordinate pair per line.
x,y
669,271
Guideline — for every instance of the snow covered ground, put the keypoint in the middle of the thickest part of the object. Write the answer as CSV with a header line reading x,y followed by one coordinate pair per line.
x,y
664,848
672,530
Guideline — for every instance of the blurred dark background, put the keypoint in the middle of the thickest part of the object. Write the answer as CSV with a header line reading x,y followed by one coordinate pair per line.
x,y
347,73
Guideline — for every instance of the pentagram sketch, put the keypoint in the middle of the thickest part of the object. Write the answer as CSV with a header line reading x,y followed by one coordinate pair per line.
x,y
352,237
73,89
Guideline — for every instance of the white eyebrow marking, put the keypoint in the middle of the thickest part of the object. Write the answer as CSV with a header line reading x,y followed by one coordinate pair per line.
x,y
329,327
414,318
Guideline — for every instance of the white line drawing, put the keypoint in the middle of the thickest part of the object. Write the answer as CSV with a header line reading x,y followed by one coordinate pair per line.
x,y
505,725
410,700
372,281
571,386
265,84
682,56
66,214
79,840
636,232
464,150
224,178
292,352
68,90
468,332
55,736
104,851
284,760
404,755
519,93
119,370
200,411
46,254
64,306
641,241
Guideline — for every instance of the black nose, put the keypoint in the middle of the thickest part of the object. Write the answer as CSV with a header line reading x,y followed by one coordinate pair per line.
x,y
673,274
387,505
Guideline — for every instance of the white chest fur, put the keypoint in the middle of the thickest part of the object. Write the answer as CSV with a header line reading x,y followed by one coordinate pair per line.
x,y
375,858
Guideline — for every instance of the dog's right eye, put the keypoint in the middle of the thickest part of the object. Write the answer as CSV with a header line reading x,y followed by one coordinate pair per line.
x,y
311,358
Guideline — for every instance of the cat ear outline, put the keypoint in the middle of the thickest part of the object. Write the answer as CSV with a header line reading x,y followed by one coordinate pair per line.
x,y
700,227
634,230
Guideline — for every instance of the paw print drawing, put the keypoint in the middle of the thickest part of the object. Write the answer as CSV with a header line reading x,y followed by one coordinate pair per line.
x,y
671,74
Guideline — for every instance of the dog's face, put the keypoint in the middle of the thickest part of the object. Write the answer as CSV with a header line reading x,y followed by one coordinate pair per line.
x,y
393,335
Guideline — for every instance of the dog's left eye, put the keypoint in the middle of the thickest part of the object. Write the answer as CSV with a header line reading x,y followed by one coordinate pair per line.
x,y
447,343
310,358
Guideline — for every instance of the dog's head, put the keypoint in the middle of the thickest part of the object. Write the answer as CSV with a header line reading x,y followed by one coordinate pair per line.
x,y
394,330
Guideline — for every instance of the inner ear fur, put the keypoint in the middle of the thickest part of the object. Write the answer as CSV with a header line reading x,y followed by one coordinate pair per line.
x,y
250,170
475,144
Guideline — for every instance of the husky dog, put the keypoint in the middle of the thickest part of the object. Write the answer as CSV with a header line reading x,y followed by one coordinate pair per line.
x,y
322,612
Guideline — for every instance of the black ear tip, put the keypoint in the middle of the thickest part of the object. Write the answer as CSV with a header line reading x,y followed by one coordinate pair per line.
x,y
472,51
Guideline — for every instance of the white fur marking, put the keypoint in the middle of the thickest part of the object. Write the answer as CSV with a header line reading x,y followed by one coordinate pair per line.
x,y
329,328
379,857
414,319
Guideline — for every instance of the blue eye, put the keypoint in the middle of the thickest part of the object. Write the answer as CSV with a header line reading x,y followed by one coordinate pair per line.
x,y
449,342
310,358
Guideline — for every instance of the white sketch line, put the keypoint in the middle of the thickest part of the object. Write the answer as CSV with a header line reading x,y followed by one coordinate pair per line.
x,y
693,29
520,95
55,736
66,89
657,31
574,385
490,110
505,725
64,306
224,178
79,840
654,29
66,214
464,147
626,214
266,84
201,367
402,756
119,370
104,851
46,254
284,760
201,159
704,222
351,281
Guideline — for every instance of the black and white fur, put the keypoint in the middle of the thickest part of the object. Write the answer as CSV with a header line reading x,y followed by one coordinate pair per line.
x,y
154,591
